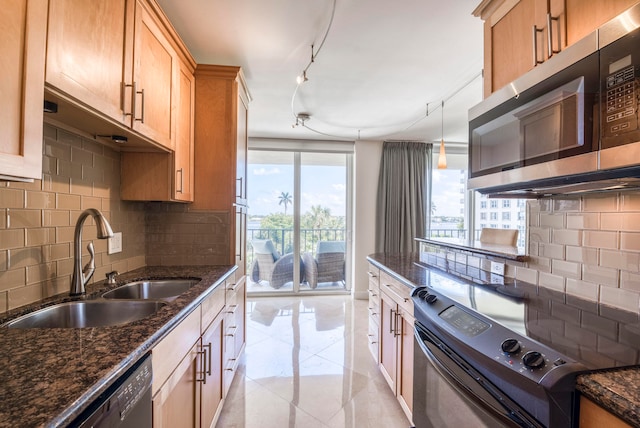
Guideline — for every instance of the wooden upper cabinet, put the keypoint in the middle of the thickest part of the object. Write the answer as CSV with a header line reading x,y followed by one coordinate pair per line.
x,y
583,16
89,52
512,46
22,47
154,80
220,137
519,34
114,59
165,176
183,155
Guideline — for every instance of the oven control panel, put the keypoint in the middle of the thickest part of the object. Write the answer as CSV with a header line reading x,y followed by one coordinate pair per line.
x,y
470,333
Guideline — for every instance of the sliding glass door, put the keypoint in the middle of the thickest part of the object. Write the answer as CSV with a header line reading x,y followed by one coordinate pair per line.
x,y
298,221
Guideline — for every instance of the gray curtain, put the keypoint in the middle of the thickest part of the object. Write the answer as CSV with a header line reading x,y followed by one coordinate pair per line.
x,y
403,189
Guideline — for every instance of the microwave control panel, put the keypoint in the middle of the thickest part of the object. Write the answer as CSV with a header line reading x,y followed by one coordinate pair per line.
x,y
621,102
620,91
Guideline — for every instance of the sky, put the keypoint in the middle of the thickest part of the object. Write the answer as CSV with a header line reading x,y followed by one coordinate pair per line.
x,y
320,185
326,185
446,192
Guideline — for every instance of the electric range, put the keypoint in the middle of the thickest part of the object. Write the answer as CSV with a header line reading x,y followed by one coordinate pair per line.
x,y
511,351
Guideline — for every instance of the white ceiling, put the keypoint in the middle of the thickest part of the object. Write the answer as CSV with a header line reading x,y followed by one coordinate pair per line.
x,y
381,63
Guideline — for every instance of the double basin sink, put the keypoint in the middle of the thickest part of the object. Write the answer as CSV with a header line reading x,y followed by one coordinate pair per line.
x,y
127,303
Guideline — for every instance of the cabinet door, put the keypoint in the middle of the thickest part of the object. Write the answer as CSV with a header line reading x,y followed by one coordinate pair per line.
x,y
177,403
512,44
241,155
388,351
155,68
22,47
212,391
584,16
89,50
183,154
405,360
594,416
240,310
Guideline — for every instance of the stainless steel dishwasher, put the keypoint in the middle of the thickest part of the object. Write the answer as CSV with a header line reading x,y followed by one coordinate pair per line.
x,y
126,404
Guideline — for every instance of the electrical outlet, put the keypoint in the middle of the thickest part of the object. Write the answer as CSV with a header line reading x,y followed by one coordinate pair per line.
x,y
115,243
497,268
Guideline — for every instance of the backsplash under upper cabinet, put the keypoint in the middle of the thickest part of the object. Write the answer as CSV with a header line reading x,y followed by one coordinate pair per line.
x,y
37,220
587,246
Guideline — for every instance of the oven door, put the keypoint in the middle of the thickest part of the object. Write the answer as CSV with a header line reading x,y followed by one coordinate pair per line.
x,y
450,393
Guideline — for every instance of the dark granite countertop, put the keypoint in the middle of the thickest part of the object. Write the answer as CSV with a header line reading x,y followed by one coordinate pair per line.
x,y
616,390
49,376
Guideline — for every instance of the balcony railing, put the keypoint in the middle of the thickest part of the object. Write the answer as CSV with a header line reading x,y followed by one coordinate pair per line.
x,y
283,239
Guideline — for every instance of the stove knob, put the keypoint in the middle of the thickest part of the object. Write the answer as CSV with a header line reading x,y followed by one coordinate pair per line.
x,y
431,298
533,360
423,294
510,346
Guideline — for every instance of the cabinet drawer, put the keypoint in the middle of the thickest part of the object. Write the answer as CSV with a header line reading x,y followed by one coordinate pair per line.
x,y
397,291
374,276
168,353
373,339
374,311
212,305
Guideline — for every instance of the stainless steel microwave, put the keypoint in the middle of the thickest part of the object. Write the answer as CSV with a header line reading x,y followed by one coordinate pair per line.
x,y
568,126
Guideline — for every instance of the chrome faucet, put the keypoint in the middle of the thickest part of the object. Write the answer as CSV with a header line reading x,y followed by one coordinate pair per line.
x,y
82,276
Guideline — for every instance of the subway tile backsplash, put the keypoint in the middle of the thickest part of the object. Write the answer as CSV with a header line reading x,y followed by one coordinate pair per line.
x,y
587,246
37,222
601,260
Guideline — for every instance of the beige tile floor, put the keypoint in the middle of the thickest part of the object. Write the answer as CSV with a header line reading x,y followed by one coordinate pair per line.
x,y
307,364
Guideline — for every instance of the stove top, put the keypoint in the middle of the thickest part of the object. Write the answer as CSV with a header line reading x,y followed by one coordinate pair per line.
x,y
594,335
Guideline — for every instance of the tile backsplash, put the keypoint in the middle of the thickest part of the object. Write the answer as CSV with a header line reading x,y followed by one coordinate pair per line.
x,y
37,222
586,246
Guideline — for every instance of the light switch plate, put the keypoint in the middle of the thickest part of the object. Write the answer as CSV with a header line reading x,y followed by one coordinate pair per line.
x,y
497,268
115,243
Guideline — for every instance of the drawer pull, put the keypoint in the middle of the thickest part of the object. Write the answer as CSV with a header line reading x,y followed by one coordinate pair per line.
x,y
371,274
395,293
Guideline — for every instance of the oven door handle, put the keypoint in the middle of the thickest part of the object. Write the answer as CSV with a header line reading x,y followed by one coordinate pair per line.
x,y
491,401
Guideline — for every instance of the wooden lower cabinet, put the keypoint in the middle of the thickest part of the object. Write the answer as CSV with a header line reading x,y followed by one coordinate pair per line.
x,y
234,329
373,336
212,392
594,416
177,403
195,363
396,340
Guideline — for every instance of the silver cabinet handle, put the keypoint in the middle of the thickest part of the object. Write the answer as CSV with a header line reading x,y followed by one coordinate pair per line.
x,y
133,87
141,92
181,180
550,21
392,321
535,45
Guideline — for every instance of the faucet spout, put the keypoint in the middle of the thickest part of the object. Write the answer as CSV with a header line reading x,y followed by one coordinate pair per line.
x,y
81,276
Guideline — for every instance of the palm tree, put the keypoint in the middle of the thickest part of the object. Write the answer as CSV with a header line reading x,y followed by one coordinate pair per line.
x,y
286,199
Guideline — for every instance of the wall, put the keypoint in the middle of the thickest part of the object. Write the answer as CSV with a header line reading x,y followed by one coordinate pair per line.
x,y
37,222
177,235
588,246
367,165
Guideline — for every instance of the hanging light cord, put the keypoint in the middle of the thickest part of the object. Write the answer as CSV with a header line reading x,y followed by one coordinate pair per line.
x,y
313,58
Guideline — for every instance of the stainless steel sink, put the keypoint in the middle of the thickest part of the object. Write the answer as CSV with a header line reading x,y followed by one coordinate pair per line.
x,y
160,289
91,313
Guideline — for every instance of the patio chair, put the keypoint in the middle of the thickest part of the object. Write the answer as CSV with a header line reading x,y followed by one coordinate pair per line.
x,y
327,266
268,265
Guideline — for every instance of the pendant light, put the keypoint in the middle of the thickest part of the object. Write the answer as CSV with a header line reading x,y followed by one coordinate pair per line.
x,y
442,158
